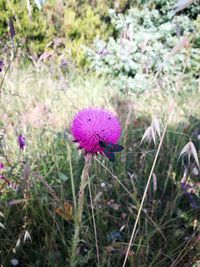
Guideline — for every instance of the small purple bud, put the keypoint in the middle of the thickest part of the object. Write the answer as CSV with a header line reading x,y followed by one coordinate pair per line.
x,y
21,141
1,165
1,65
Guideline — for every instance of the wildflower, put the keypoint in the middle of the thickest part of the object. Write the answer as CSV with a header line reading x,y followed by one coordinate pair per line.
x,y
21,141
1,169
1,65
1,166
97,131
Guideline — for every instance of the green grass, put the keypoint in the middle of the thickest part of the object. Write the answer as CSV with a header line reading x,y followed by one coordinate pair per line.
x,y
41,104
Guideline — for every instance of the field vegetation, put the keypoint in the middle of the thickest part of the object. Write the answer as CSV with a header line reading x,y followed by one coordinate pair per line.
x,y
138,59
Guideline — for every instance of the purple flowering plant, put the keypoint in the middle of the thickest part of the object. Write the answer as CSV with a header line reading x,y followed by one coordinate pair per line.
x,y
1,166
21,141
97,131
1,170
1,65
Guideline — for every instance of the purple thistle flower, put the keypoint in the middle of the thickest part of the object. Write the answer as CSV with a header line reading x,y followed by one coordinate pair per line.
x,y
1,65
21,141
92,125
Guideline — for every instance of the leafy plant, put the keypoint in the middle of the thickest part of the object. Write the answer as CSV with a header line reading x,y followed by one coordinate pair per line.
x,y
144,40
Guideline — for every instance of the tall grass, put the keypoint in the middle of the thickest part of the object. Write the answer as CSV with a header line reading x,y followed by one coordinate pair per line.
x,y
40,103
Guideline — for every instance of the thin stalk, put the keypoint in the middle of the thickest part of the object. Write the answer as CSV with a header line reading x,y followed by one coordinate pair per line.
x,y
6,70
78,219
50,190
131,196
181,254
147,186
94,224
72,177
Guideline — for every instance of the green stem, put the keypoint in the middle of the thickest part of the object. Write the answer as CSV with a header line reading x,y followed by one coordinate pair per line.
x,y
72,177
78,220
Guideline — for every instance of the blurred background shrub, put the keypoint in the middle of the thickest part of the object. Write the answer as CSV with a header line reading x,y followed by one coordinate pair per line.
x,y
66,26
144,40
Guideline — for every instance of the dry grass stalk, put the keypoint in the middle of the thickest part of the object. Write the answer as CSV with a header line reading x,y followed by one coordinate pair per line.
x,y
190,150
152,132
94,223
182,43
147,185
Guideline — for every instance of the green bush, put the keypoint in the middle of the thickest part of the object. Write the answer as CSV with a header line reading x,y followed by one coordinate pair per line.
x,y
31,28
83,30
144,39
36,29
76,23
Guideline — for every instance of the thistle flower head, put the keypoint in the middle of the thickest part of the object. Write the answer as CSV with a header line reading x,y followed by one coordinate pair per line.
x,y
92,125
